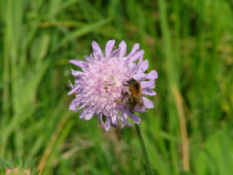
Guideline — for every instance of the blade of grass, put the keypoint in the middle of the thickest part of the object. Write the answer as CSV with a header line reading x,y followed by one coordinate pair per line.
x,y
80,32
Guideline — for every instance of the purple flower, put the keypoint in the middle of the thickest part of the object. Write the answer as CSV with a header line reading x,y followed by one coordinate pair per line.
x,y
101,87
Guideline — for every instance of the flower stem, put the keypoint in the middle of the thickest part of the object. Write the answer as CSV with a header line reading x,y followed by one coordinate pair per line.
x,y
146,157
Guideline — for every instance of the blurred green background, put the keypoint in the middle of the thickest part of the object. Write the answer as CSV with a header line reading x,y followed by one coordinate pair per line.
x,y
189,43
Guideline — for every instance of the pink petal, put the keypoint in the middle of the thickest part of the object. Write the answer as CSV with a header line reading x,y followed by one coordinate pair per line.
x,y
152,75
138,65
80,107
115,53
148,84
140,76
100,116
109,46
82,113
134,50
107,124
122,47
124,119
74,104
114,121
88,59
134,117
140,109
148,103
76,73
137,55
96,48
87,114
132,66
71,85
78,63
148,92
73,90
126,122
143,67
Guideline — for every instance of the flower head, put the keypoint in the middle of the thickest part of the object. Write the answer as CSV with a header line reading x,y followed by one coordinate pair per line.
x,y
16,171
102,86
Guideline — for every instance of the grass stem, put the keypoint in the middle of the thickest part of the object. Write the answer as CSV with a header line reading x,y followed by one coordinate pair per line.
x,y
145,154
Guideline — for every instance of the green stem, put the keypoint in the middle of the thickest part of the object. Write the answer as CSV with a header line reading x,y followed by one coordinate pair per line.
x,y
146,157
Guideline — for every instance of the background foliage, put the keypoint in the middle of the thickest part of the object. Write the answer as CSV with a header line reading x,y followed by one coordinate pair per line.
x,y
189,43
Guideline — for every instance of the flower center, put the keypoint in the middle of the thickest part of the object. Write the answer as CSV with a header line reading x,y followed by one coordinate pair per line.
x,y
104,81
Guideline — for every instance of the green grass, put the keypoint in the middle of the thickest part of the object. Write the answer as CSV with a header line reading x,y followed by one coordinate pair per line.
x,y
189,43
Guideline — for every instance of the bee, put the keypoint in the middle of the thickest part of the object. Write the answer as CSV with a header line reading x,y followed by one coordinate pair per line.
x,y
134,92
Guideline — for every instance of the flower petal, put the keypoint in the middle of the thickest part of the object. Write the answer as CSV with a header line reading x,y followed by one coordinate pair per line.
x,y
132,66
148,92
87,114
80,107
138,65
124,119
152,75
115,53
140,76
70,84
82,113
76,73
107,124
148,103
134,50
100,116
101,82
74,104
122,47
78,63
140,109
96,48
114,121
89,59
109,46
134,117
143,67
73,90
148,84
137,55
